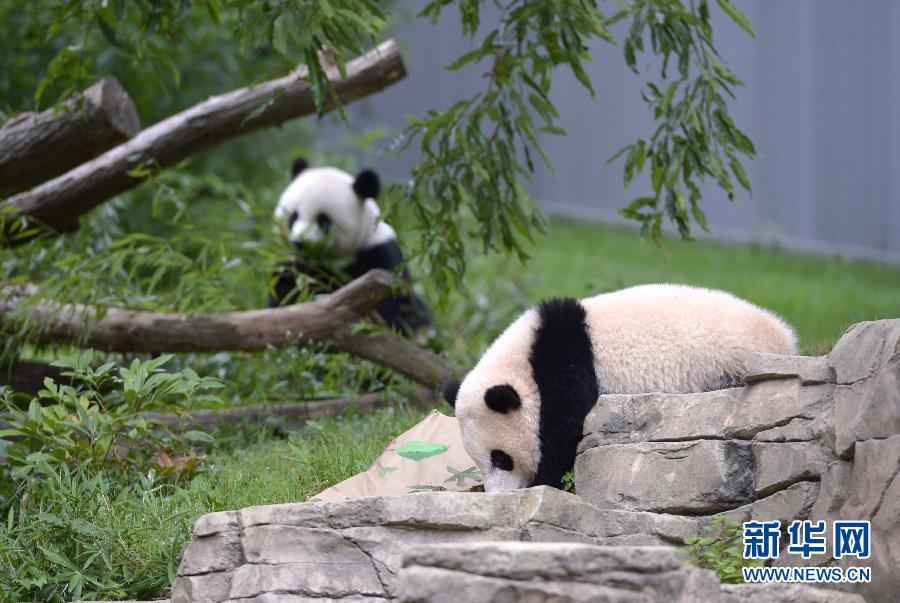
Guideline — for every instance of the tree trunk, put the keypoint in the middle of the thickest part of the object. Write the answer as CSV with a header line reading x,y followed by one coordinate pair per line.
x,y
331,319
28,377
35,147
294,414
55,206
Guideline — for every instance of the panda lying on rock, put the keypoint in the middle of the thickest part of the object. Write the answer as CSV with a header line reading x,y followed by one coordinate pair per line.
x,y
328,206
521,410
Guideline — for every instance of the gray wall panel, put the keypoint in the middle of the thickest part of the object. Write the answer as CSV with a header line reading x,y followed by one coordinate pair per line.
x,y
822,104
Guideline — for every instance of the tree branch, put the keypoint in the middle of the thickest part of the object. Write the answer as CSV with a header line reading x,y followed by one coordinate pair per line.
x,y
55,206
35,147
330,319
295,414
28,377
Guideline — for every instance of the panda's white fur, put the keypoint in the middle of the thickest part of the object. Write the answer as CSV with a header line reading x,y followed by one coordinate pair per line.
x,y
649,338
329,191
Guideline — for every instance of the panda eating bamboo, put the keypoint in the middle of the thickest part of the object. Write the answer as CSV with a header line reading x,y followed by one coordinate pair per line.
x,y
327,206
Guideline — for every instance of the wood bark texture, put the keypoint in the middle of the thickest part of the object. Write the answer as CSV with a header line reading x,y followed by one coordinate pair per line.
x,y
294,414
331,319
35,147
28,377
55,206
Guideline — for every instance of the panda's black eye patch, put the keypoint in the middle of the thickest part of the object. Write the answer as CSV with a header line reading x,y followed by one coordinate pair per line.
x,y
291,219
324,223
502,398
501,460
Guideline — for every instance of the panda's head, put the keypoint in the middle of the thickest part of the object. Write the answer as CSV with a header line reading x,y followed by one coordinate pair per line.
x,y
497,405
326,205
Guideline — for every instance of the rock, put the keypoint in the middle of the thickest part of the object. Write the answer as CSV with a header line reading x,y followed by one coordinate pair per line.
x,y
867,409
319,579
778,465
703,476
355,548
207,554
213,523
779,593
834,490
809,369
797,430
865,348
275,544
738,413
794,502
551,571
206,588
874,495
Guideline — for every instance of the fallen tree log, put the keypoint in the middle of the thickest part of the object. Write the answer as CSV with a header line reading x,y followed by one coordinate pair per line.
x,y
332,319
55,206
28,377
295,414
35,147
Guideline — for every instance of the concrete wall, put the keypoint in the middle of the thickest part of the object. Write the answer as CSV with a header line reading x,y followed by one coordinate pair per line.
x,y
822,104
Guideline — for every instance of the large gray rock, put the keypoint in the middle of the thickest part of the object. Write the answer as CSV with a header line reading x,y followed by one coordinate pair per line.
x,y
809,369
737,413
703,476
782,464
782,593
354,548
866,409
871,491
551,572
561,572
865,348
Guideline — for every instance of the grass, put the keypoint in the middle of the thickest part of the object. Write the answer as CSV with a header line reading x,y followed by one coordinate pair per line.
x,y
255,465
819,296
296,466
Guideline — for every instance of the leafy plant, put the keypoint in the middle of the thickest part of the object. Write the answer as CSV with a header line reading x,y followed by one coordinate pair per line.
x,y
82,470
95,423
568,481
718,547
77,535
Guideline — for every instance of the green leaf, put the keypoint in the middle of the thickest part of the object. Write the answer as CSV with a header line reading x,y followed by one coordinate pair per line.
x,y
737,16
199,436
738,170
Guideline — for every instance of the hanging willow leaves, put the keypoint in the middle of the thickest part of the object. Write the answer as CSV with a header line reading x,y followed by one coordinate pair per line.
x,y
476,157
695,137
478,154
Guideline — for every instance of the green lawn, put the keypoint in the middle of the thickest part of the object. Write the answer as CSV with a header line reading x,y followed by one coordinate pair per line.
x,y
819,296
260,465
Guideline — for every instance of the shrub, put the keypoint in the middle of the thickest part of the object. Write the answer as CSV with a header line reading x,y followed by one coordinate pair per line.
x,y
82,468
718,547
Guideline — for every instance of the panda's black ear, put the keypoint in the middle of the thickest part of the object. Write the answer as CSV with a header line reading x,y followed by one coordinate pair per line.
x,y
450,389
300,164
502,398
367,184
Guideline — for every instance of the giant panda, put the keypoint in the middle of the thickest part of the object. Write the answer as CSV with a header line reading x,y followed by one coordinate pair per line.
x,y
326,206
521,410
